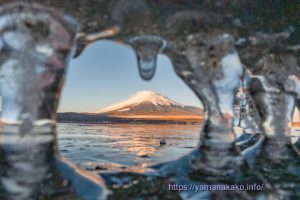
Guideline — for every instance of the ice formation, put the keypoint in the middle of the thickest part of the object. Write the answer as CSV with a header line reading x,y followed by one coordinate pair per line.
x,y
210,43
36,43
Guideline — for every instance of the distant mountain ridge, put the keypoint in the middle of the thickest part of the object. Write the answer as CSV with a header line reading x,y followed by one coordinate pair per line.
x,y
144,107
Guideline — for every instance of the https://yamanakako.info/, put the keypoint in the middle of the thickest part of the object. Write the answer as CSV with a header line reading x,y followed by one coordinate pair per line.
x,y
215,187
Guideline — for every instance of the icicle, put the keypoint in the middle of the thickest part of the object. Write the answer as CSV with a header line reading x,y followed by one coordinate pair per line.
x,y
36,46
274,88
147,48
210,65
83,40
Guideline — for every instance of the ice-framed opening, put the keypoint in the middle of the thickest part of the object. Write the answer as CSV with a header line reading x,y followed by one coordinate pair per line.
x,y
106,73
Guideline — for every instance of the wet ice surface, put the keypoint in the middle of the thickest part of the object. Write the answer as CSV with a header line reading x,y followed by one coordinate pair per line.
x,y
125,144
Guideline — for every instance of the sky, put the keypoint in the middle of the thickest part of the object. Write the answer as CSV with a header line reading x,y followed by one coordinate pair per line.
x,y
106,73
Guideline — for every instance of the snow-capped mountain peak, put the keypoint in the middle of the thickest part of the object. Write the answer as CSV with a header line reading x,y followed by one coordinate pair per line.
x,y
142,107
146,96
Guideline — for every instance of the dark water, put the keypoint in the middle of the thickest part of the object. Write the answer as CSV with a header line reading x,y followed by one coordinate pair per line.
x,y
87,144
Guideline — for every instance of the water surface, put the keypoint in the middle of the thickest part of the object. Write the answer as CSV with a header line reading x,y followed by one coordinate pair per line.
x,y
126,144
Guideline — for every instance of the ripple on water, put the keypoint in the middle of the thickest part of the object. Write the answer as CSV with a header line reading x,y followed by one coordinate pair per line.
x,y
125,144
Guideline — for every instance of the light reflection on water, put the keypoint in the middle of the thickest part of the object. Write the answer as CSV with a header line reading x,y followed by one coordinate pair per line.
x,y
124,143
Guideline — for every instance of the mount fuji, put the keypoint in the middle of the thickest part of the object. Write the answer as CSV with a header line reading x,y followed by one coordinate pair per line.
x,y
142,107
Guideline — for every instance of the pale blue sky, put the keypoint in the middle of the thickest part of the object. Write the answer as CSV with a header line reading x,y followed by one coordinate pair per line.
x,y
107,73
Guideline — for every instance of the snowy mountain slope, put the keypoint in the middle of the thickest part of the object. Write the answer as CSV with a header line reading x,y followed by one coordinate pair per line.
x,y
141,97
149,103
145,107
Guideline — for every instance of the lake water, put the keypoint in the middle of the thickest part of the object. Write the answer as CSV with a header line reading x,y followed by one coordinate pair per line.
x,y
87,144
